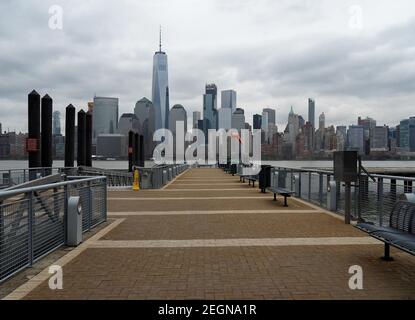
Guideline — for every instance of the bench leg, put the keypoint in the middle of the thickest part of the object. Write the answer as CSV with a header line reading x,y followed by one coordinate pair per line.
x,y
253,184
285,202
275,197
387,256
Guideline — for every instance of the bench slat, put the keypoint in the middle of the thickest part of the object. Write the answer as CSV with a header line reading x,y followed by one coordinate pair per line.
x,y
401,230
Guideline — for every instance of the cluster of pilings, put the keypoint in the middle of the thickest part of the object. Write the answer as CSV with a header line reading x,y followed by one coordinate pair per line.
x,y
39,141
38,156
84,136
135,150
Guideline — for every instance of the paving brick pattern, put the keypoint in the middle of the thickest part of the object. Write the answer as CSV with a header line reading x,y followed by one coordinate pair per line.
x,y
235,272
232,226
203,204
232,273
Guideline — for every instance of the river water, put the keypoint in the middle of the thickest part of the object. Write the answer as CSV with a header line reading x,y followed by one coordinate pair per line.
x,y
21,164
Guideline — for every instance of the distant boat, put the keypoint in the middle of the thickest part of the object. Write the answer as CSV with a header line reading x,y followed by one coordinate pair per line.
x,y
111,159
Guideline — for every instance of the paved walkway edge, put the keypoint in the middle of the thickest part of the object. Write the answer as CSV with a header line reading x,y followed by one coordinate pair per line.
x,y
212,212
186,198
202,243
177,177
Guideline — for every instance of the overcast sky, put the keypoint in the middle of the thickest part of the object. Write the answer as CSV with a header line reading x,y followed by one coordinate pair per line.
x,y
274,53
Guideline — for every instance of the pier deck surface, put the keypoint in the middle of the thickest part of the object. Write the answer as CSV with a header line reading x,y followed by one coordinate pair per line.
x,y
208,236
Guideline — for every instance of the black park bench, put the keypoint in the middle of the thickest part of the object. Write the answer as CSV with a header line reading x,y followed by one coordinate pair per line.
x,y
250,179
401,230
282,192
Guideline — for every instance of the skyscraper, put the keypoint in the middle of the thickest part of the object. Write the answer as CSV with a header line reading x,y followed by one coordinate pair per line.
x,y
271,116
141,110
209,108
308,138
293,126
322,121
56,123
228,99
407,135
225,118
105,117
177,113
379,140
341,138
196,117
355,139
160,89
257,123
368,125
238,119
144,111
128,122
312,112
264,127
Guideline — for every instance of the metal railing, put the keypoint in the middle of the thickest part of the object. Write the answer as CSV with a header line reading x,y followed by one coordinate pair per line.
x,y
12,177
150,178
33,220
371,200
115,178
158,176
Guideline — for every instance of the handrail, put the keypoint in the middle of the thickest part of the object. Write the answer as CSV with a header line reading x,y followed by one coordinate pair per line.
x,y
37,168
10,193
332,172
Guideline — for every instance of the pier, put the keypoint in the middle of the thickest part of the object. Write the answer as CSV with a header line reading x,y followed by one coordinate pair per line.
x,y
207,235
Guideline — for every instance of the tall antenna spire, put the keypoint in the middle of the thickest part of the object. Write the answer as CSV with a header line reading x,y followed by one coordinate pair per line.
x,y
160,41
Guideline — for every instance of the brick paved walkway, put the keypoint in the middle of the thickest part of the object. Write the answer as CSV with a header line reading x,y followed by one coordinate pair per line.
x,y
208,236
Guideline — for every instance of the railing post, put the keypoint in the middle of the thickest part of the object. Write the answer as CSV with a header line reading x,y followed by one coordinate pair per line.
x,y
380,201
359,189
357,206
56,203
393,189
348,200
65,212
320,189
338,193
10,178
105,199
30,227
291,179
1,236
89,205
309,185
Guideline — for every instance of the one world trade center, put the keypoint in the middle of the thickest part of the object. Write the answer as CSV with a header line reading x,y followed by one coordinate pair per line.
x,y
160,89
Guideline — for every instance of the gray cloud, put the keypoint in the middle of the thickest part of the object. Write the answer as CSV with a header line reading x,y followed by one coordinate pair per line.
x,y
274,53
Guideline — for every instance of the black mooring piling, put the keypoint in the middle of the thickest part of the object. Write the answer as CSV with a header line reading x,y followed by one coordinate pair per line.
x,y
81,138
46,137
33,139
70,136
136,148
141,152
88,140
130,151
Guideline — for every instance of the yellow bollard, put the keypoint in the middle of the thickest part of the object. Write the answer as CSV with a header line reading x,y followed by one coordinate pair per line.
x,y
136,183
